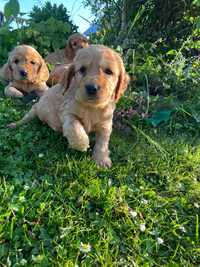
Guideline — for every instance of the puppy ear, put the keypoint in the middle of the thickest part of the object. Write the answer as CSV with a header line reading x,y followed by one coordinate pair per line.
x,y
6,72
43,72
69,52
122,84
67,77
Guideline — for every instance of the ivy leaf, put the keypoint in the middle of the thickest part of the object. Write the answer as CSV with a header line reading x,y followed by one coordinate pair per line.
x,y
11,8
159,117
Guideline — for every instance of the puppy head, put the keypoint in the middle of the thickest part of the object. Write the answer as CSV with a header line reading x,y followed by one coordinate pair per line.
x,y
99,76
75,42
26,65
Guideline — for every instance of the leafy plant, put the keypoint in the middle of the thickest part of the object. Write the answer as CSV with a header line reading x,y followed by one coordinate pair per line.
x,y
8,39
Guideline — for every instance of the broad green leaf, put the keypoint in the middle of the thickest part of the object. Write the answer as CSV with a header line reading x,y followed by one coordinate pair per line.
x,y
11,8
159,117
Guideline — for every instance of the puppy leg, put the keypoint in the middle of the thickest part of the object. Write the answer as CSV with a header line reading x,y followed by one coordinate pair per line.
x,y
28,117
12,91
41,90
75,133
101,150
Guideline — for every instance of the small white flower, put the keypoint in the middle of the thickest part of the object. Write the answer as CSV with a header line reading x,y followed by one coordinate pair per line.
x,y
142,227
180,186
160,241
144,201
41,155
109,182
85,248
196,205
154,232
132,213
182,229
23,262
26,187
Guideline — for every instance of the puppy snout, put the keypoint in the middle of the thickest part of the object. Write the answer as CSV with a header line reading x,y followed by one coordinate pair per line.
x,y
23,73
92,89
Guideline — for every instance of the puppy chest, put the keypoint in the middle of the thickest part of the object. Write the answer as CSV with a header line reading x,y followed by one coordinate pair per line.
x,y
91,119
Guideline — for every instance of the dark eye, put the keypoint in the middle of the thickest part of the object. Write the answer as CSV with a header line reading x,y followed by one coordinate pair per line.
x,y
74,44
108,71
16,61
33,62
82,70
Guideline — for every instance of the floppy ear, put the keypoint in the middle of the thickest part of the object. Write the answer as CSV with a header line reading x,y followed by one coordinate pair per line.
x,y
43,72
122,84
69,52
67,77
6,72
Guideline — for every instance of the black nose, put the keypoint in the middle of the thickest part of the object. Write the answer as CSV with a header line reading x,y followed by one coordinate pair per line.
x,y
23,73
91,89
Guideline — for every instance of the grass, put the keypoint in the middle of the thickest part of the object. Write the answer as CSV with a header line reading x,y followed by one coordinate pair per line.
x,y
58,209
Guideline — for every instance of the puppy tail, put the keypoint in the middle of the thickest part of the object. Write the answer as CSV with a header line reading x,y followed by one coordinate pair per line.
x,y
28,117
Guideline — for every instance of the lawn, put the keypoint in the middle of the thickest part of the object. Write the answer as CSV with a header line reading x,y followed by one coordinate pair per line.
x,y
57,208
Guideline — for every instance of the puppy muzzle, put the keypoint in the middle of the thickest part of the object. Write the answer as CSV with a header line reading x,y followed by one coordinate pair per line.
x,y
23,74
92,90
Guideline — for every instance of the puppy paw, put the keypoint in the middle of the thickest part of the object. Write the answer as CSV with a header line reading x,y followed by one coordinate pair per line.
x,y
80,145
103,162
12,125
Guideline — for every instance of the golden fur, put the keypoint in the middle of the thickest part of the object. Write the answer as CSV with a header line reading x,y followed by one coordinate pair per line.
x,y
62,57
26,72
85,100
57,73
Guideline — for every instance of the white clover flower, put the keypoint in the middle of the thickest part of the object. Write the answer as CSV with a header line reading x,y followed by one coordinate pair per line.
x,y
182,229
85,248
41,155
142,227
160,241
144,201
109,182
132,213
26,187
196,205
23,262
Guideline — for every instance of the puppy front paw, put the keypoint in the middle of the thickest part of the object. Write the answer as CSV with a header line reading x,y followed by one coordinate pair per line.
x,y
104,162
80,145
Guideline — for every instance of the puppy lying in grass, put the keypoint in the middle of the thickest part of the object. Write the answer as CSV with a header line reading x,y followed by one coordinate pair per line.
x,y
25,71
85,100
75,42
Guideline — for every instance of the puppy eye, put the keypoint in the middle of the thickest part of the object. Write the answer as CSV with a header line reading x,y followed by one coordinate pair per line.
x,y
74,43
33,62
108,71
16,61
82,70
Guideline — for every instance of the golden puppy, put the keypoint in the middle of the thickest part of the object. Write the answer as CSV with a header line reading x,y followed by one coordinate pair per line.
x,y
26,72
75,42
65,56
84,101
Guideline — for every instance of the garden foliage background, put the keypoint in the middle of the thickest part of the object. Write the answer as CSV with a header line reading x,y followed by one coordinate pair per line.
x,y
56,207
